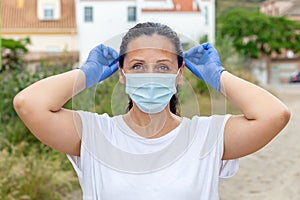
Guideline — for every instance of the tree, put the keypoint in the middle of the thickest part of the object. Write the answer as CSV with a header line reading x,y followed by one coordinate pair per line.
x,y
257,35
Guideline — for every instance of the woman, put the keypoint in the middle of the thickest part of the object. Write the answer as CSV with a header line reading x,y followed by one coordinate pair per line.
x,y
150,152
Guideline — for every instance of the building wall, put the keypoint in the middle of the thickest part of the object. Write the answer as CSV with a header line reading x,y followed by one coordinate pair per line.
x,y
275,8
49,42
188,24
281,70
109,21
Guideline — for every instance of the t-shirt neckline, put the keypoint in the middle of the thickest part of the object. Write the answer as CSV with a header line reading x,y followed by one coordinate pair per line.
x,y
131,133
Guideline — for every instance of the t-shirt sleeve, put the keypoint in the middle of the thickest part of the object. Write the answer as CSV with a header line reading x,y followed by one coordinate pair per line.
x,y
228,168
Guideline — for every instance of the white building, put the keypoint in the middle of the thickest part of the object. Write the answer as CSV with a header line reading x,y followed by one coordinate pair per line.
x,y
103,21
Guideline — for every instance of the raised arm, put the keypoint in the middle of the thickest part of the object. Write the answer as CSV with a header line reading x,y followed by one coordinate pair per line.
x,y
40,105
264,116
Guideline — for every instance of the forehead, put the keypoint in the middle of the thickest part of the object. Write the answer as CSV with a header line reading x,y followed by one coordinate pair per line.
x,y
154,43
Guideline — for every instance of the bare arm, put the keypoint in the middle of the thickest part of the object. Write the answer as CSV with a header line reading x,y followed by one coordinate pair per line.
x,y
40,108
264,116
40,105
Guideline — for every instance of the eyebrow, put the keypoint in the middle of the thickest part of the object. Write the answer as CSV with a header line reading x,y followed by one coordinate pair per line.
x,y
164,60
139,60
136,60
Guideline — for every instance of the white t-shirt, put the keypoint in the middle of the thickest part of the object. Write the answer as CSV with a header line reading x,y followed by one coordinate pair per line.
x,y
117,164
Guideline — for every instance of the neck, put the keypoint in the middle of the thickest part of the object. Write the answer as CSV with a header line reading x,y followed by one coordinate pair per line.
x,y
151,125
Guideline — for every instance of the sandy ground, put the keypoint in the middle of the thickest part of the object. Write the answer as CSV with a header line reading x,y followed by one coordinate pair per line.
x,y
273,173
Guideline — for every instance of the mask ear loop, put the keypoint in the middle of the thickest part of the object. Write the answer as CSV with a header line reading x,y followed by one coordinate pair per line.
x,y
178,72
123,72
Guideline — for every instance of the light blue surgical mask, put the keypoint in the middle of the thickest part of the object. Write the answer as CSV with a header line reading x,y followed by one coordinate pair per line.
x,y
151,92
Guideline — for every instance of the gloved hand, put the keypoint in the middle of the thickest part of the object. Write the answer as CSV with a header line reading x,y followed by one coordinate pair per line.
x,y
204,62
101,63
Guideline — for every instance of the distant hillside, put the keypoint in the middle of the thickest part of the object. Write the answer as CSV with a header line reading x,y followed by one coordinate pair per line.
x,y
225,5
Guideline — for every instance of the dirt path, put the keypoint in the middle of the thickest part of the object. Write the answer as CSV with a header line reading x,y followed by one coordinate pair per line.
x,y
272,173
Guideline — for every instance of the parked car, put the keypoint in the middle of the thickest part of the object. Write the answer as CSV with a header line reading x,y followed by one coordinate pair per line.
x,y
295,77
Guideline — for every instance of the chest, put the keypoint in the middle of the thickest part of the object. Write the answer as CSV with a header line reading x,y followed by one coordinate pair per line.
x,y
187,178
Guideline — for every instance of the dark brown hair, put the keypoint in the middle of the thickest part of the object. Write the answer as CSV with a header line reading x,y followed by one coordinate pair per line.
x,y
149,29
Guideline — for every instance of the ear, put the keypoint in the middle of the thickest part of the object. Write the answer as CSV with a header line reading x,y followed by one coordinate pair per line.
x,y
121,74
180,74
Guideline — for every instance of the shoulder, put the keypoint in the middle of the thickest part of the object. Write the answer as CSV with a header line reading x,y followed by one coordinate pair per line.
x,y
91,117
210,121
93,121
209,131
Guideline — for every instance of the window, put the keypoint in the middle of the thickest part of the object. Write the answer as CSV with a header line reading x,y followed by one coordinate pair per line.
x,y
206,15
132,14
48,12
88,14
48,9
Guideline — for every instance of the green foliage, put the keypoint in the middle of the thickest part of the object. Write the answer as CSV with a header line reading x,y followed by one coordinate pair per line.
x,y
11,53
12,129
255,34
28,168
97,98
203,39
199,86
229,57
104,93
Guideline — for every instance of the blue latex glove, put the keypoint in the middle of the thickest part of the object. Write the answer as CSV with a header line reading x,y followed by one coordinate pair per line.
x,y
204,62
101,63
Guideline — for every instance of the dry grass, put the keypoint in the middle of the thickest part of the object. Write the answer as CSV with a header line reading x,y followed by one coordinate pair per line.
x,y
34,176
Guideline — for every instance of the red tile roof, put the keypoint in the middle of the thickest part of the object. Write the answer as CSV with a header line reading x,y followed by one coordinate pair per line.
x,y
179,6
15,17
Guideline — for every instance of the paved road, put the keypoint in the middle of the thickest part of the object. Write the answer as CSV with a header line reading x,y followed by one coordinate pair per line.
x,y
273,173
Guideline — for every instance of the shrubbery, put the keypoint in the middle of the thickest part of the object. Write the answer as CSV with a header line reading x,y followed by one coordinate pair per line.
x,y
29,169
34,175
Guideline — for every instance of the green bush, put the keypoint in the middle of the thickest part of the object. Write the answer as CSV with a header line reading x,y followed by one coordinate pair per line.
x,y
28,168
13,81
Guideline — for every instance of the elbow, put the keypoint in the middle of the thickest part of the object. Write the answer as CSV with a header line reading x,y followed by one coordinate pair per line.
x,y
20,104
283,117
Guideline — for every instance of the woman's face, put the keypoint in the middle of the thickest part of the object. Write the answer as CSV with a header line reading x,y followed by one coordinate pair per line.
x,y
151,54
